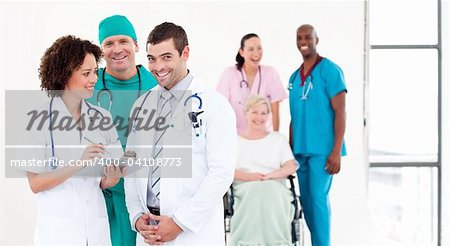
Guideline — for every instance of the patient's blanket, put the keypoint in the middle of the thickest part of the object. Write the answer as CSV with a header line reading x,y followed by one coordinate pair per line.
x,y
263,213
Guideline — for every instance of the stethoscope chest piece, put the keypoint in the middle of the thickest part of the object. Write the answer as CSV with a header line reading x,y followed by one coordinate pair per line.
x,y
193,116
196,123
53,162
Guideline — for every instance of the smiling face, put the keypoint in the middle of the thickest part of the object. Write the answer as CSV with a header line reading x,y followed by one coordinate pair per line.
x,y
119,52
166,64
307,41
82,81
252,52
257,117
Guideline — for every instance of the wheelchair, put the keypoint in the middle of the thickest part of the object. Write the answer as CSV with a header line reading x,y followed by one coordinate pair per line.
x,y
297,224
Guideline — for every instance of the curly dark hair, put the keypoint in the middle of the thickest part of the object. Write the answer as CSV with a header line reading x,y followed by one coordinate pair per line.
x,y
65,56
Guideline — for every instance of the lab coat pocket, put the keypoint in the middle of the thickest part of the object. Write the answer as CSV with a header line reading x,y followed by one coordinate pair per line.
x,y
53,230
96,204
198,143
57,202
187,188
101,232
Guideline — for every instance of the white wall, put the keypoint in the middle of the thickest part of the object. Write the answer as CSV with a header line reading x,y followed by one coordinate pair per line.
x,y
214,30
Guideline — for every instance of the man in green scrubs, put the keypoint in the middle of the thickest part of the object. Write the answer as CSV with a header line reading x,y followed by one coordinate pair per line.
x,y
119,84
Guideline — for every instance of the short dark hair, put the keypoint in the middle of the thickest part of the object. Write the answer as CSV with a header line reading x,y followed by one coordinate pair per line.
x,y
65,56
167,30
239,59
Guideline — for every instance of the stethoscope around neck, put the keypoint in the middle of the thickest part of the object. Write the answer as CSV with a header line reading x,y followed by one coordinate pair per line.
x,y
193,116
244,86
306,88
106,91
306,85
53,160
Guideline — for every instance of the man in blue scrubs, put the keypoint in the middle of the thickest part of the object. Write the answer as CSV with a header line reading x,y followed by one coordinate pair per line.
x,y
119,84
317,107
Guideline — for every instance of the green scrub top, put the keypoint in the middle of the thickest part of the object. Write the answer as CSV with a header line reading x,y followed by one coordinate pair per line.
x,y
124,94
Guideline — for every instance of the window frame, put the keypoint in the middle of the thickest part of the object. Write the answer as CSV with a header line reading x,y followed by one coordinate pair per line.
x,y
438,47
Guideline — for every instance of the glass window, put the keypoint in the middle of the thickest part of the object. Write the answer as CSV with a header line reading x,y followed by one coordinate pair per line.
x,y
403,22
403,103
403,204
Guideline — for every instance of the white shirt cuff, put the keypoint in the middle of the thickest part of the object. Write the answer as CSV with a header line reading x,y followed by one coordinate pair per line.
x,y
136,217
184,228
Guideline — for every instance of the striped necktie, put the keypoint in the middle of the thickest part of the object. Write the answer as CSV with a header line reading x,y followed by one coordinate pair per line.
x,y
155,177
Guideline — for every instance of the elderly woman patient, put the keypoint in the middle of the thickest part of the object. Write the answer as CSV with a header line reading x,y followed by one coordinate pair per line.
x,y
262,202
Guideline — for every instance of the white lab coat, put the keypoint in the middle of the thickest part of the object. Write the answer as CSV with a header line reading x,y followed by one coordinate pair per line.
x,y
74,212
196,202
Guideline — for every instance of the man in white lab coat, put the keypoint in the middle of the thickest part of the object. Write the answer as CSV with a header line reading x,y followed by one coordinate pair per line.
x,y
185,208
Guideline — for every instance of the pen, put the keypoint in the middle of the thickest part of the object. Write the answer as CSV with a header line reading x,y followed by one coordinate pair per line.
x,y
90,141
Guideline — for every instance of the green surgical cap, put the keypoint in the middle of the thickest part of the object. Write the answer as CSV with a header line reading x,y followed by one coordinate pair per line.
x,y
115,25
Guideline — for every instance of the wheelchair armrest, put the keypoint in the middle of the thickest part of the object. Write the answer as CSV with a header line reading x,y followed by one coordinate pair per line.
x,y
296,201
228,201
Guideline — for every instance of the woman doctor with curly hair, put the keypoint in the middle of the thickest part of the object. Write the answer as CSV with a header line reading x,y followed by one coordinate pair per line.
x,y
71,206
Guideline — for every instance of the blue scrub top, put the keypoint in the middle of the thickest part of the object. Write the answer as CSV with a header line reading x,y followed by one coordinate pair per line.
x,y
313,118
